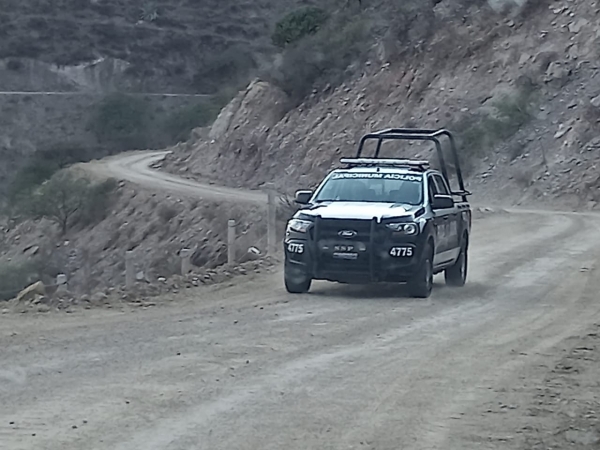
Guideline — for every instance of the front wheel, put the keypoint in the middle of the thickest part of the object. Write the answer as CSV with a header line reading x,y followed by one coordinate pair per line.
x,y
296,283
422,285
456,275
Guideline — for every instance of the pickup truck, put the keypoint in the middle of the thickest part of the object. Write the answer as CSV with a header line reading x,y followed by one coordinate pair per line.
x,y
382,220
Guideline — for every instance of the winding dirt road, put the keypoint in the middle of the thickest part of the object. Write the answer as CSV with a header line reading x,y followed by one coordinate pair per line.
x,y
135,168
249,367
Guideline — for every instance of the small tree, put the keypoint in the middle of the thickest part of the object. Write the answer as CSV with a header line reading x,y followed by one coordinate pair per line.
x,y
297,24
122,120
65,198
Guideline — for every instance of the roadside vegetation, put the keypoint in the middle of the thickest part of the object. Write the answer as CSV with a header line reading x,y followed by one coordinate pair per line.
x,y
479,134
59,196
14,276
317,56
180,123
68,200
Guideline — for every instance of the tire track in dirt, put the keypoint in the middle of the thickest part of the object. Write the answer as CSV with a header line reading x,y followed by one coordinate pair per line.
x,y
431,429
342,352
303,354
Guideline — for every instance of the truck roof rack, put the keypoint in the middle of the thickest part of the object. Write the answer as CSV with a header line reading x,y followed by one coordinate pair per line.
x,y
419,134
380,162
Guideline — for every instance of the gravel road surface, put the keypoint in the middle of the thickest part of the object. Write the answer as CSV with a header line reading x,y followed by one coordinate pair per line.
x,y
250,367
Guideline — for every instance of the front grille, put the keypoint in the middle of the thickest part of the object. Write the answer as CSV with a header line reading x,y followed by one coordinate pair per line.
x,y
329,229
328,235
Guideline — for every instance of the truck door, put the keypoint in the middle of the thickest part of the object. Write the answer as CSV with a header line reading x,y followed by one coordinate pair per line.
x,y
439,225
450,220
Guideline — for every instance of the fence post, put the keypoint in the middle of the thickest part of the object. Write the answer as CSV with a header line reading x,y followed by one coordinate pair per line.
x,y
271,219
186,260
231,242
61,282
129,269
87,271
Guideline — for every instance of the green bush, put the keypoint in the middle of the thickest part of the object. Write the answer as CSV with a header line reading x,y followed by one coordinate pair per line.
x,y
14,65
67,199
298,24
232,67
14,277
98,202
512,113
28,178
179,124
479,134
322,58
41,166
121,119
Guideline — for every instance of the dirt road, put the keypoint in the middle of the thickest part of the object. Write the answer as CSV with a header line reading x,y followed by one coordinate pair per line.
x,y
251,367
134,167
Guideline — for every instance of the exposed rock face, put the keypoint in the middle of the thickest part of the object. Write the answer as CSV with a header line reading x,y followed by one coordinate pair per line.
x,y
473,62
260,105
237,139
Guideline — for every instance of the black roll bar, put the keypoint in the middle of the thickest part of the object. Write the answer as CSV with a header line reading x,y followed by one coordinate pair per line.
x,y
420,134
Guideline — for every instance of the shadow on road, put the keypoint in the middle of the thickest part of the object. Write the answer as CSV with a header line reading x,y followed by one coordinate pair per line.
x,y
392,291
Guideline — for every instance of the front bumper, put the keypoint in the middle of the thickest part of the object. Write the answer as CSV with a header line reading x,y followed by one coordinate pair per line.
x,y
381,256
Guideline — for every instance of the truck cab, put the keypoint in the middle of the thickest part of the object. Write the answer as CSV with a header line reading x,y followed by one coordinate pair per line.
x,y
380,220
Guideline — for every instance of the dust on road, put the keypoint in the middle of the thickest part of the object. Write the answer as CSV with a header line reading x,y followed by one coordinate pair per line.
x,y
251,367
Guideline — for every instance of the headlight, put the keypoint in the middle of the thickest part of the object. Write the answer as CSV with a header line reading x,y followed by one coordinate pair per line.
x,y
409,229
298,225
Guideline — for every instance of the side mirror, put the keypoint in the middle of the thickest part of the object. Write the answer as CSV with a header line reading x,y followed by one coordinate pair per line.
x,y
303,197
442,202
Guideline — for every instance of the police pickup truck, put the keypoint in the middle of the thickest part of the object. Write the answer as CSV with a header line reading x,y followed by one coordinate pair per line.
x,y
382,220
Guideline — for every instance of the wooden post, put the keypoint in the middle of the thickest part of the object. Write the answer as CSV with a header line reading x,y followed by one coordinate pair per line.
x,y
61,283
186,260
272,223
231,242
271,218
129,269
87,271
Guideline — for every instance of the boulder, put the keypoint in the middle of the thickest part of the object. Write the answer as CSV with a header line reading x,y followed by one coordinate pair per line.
x,y
558,73
31,292
507,6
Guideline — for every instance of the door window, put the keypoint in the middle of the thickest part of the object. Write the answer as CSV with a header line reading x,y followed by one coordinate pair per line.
x,y
442,186
432,188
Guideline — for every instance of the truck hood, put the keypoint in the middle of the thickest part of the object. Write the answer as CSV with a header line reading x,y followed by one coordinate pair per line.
x,y
360,210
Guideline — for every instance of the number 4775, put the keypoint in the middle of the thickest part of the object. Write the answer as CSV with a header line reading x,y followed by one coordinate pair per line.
x,y
401,252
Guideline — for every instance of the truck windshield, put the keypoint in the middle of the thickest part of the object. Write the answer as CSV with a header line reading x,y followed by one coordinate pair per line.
x,y
372,187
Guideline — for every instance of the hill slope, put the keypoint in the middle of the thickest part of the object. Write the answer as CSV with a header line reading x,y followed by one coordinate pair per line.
x,y
521,91
168,43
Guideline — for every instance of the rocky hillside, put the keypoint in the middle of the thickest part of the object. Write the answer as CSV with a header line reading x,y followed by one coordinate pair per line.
x,y
92,49
164,44
520,86
154,225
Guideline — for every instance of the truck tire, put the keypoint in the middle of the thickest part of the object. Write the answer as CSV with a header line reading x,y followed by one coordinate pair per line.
x,y
422,284
456,275
296,283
